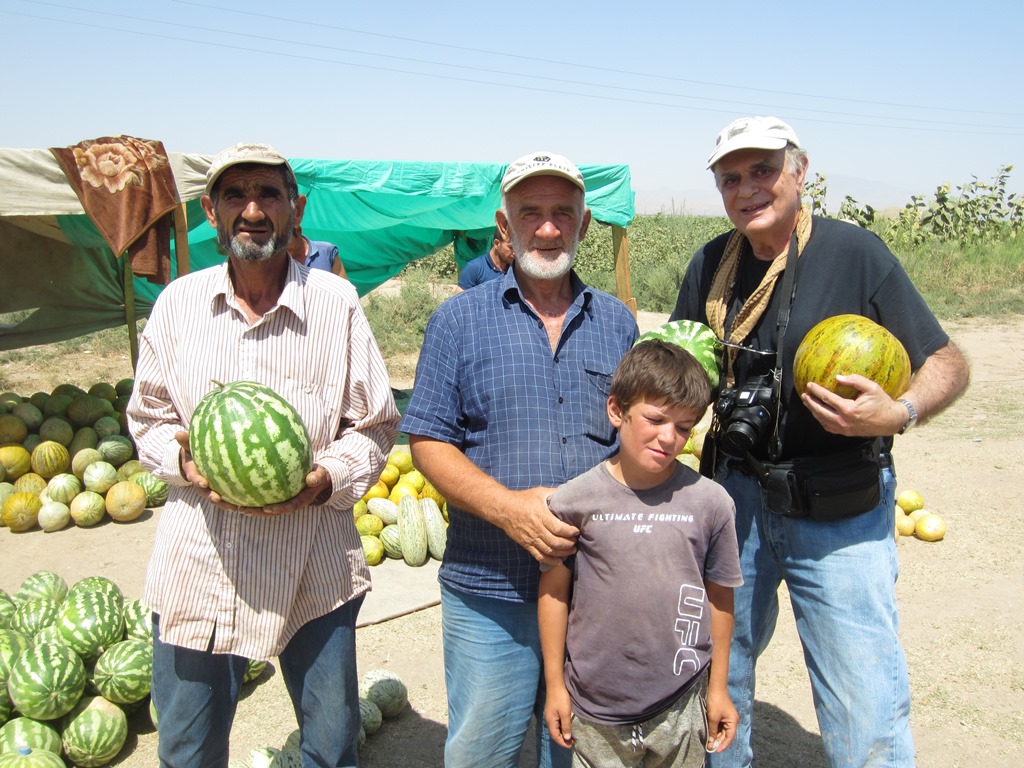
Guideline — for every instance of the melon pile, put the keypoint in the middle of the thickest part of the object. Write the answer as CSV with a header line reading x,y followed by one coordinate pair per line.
x,y
382,696
402,516
66,457
912,519
74,664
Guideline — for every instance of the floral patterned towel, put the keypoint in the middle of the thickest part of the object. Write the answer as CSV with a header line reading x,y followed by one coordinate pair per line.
x,y
127,188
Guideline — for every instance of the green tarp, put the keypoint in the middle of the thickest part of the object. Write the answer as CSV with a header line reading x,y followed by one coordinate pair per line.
x,y
381,215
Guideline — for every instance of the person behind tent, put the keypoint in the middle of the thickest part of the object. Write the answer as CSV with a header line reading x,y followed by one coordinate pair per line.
x,y
631,661
315,254
487,266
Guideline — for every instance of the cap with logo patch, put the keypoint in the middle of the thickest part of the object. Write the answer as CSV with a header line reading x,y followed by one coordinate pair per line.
x,y
541,164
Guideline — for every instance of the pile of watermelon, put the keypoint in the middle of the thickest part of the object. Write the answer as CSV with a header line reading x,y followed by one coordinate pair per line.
x,y
382,696
67,457
402,516
74,664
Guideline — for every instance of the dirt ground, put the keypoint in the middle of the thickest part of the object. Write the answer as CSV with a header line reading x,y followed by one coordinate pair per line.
x,y
962,617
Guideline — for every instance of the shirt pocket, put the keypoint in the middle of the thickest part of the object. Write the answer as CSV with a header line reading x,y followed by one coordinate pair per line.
x,y
597,388
318,407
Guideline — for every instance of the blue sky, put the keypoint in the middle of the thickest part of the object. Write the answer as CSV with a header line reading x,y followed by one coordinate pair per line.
x,y
889,98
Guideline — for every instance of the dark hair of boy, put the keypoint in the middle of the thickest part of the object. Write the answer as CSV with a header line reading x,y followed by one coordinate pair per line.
x,y
658,371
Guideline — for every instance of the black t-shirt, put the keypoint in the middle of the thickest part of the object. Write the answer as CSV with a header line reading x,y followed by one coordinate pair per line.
x,y
843,270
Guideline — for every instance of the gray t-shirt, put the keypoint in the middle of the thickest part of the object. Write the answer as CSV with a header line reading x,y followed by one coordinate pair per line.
x,y
640,621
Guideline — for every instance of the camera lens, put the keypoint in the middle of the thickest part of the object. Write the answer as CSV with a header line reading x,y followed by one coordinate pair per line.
x,y
746,429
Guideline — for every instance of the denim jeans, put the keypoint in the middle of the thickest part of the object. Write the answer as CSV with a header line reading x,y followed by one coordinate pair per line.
x,y
841,577
196,694
494,677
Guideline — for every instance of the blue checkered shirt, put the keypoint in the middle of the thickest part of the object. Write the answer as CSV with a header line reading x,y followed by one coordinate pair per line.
x,y
488,383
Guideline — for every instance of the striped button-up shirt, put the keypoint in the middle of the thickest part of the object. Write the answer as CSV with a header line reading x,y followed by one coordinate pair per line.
x,y
488,383
250,582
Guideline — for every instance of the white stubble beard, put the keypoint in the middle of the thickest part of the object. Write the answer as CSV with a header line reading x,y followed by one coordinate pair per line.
x,y
543,269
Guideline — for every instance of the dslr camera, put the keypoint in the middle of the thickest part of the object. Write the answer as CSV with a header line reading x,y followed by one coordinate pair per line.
x,y
746,415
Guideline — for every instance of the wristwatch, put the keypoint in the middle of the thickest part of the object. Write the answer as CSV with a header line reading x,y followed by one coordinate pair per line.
x,y
911,416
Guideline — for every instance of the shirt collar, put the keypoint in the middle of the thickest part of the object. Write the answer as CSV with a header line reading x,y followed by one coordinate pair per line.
x,y
291,295
581,292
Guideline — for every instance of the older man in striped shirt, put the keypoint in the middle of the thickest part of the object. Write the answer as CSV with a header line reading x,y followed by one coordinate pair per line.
x,y
227,584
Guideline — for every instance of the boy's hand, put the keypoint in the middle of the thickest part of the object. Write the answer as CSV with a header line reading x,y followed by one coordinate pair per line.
x,y
722,721
558,715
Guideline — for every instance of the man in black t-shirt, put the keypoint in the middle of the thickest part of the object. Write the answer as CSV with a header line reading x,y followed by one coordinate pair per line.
x,y
838,558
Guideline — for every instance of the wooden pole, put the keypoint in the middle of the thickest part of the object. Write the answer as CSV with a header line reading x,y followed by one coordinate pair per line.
x,y
181,239
129,309
620,247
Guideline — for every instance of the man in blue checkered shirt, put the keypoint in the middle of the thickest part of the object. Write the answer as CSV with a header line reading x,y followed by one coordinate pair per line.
x,y
509,402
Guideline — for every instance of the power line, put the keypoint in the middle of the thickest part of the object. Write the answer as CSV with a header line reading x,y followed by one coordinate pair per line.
x,y
978,130
538,60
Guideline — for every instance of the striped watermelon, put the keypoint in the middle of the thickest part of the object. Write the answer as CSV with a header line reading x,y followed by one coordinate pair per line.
x,y
27,757
250,444
849,344
253,669
46,681
138,620
99,584
697,339
94,732
90,621
7,609
26,732
48,634
42,584
35,615
122,673
155,488
12,645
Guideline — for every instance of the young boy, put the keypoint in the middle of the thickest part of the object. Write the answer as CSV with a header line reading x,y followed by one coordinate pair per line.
x,y
645,642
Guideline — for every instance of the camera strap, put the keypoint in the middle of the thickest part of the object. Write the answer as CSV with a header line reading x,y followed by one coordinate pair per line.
x,y
788,295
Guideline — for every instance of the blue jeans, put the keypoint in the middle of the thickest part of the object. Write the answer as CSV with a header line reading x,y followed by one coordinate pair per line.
x,y
841,577
494,677
196,693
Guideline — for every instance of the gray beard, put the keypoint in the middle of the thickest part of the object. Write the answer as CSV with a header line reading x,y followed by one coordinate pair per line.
x,y
250,251
534,266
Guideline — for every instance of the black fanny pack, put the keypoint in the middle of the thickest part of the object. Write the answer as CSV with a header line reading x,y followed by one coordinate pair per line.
x,y
823,488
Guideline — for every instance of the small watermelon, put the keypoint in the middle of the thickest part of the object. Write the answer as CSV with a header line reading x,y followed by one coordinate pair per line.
x,y
46,681
26,732
250,444
42,584
697,339
27,757
122,673
94,732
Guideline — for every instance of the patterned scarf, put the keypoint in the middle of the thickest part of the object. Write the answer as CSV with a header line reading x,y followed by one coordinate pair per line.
x,y
724,281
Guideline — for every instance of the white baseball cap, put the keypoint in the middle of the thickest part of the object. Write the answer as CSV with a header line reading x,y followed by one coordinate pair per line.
x,y
541,164
753,133
243,152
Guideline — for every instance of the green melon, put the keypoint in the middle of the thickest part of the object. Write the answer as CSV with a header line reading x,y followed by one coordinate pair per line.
x,y
370,716
138,620
70,390
846,345
391,542
155,488
697,339
385,689
250,444
123,671
57,405
99,477
26,732
85,437
46,681
412,532
90,621
27,757
437,531
30,415
106,426
54,516
83,459
253,669
115,449
58,430
94,732
35,614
